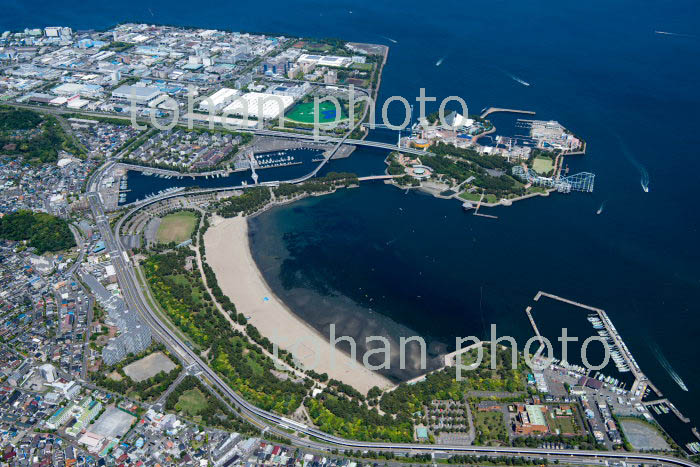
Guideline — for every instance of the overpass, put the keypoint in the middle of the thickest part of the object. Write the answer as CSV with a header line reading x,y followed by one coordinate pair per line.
x,y
378,177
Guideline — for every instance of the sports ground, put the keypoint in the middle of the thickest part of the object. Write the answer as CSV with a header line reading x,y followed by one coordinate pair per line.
x,y
149,366
176,227
542,165
304,113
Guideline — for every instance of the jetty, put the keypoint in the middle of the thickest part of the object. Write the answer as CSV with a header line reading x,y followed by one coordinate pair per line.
x,y
478,205
491,110
528,311
450,359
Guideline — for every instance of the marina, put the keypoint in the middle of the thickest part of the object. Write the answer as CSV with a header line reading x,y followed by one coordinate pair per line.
x,y
619,354
280,165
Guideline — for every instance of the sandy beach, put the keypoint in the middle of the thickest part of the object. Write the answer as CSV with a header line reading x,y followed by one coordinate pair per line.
x,y
228,253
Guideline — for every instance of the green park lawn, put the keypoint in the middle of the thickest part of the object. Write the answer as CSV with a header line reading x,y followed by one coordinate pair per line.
x,y
192,402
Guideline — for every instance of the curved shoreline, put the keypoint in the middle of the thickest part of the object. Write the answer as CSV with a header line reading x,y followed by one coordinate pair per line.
x,y
228,253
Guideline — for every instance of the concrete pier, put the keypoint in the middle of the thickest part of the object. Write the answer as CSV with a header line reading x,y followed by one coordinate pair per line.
x,y
491,110
528,311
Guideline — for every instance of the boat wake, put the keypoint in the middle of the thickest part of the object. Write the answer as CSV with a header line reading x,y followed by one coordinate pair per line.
x,y
393,41
518,80
667,366
677,34
644,180
601,208
439,62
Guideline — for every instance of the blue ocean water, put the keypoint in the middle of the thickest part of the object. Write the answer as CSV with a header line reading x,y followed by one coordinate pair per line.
x,y
597,67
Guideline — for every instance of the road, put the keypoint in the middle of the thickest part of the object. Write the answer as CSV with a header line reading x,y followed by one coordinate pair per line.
x,y
135,299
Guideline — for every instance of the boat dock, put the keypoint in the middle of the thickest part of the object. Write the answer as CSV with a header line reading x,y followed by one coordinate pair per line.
x,y
167,173
673,408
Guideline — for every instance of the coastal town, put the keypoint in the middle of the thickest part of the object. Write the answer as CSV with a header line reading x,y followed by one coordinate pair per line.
x,y
208,77
129,337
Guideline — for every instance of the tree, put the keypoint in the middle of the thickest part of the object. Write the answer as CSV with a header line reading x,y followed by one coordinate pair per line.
x,y
42,231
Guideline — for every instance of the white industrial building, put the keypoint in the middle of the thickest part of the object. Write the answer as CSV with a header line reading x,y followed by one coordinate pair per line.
x,y
296,92
259,105
138,94
219,99
58,31
72,89
326,60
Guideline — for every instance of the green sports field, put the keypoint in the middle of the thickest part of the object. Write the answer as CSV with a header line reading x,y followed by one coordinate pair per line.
x,y
176,227
542,165
304,113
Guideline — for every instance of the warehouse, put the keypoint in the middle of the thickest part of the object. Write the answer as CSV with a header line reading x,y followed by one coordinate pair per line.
x,y
71,89
219,99
272,106
325,60
138,94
